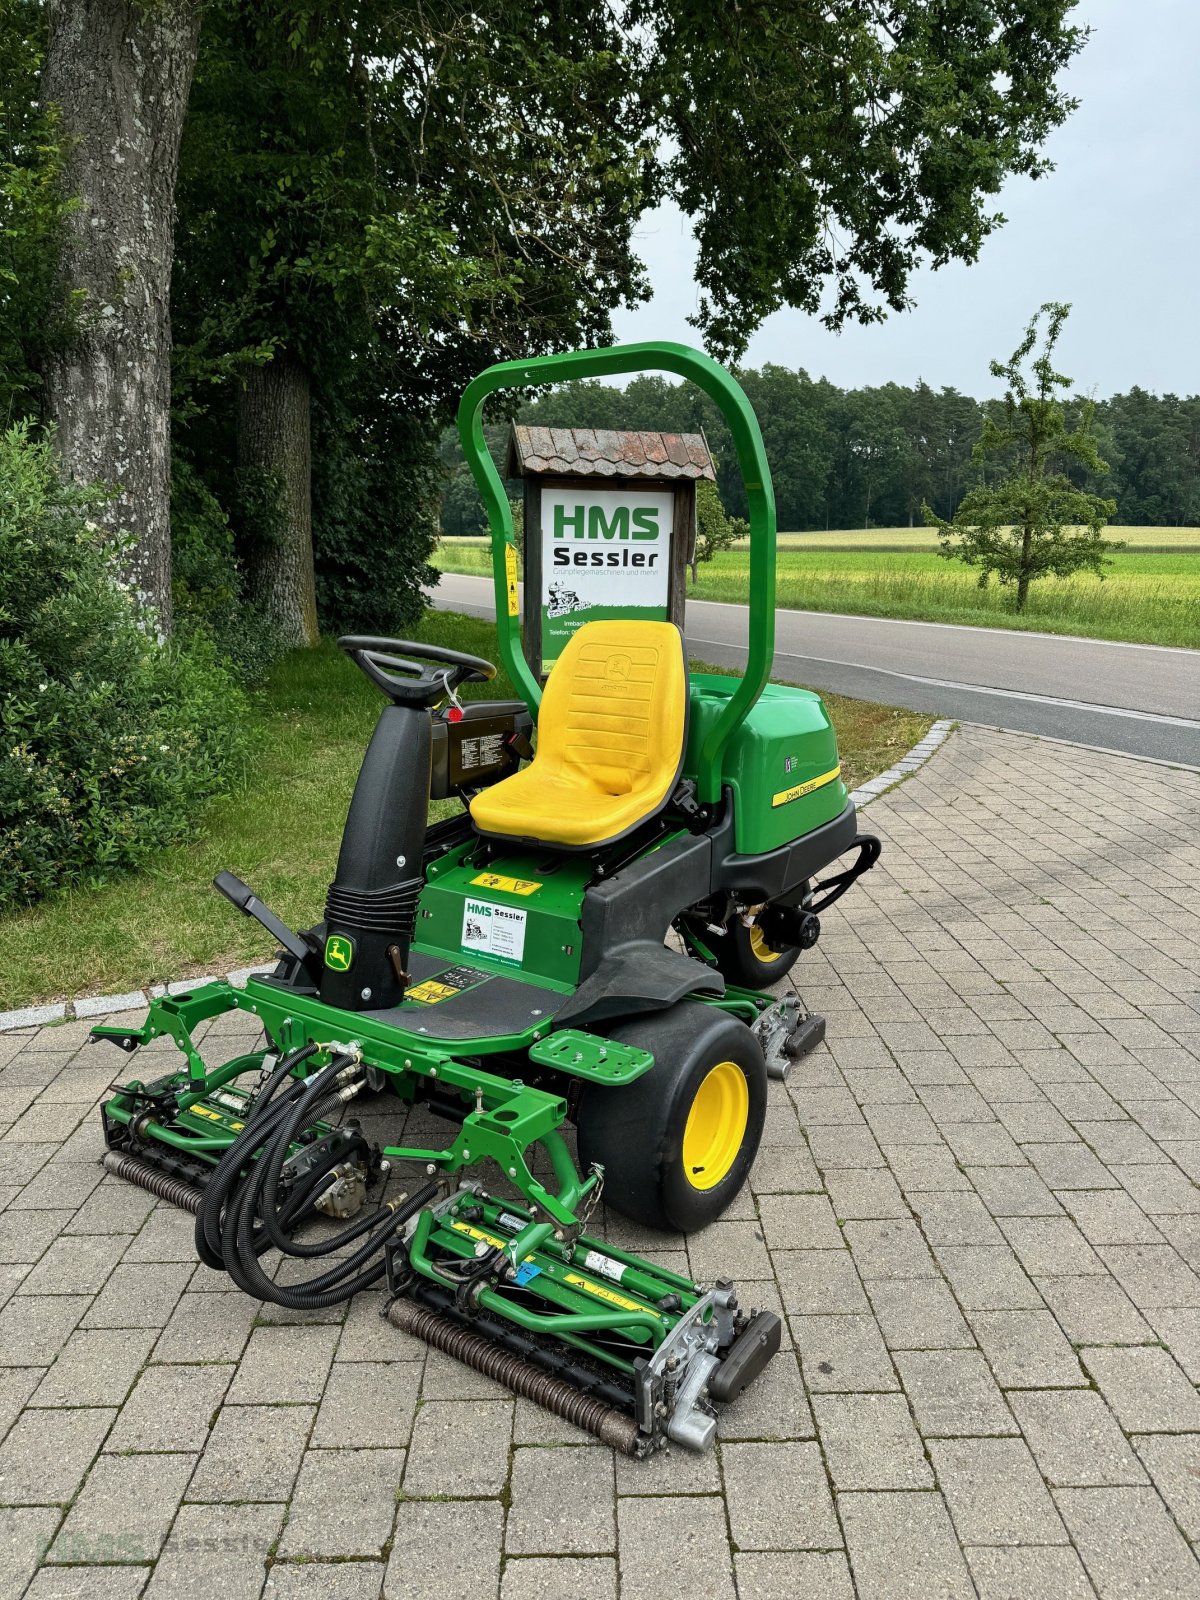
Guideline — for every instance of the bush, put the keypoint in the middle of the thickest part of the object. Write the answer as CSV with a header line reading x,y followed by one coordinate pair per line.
x,y
109,740
375,487
207,588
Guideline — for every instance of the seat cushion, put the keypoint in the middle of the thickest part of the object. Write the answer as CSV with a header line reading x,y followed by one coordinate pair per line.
x,y
610,740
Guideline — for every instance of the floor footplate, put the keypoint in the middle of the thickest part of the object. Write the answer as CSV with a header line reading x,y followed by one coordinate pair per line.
x,y
460,1001
586,1055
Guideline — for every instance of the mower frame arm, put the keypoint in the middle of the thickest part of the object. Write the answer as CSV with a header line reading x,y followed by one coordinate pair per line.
x,y
727,394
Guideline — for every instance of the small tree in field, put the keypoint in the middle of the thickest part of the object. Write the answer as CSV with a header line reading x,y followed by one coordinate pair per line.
x,y
714,530
1032,520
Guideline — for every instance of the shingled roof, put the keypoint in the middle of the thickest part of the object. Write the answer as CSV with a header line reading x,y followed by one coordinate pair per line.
x,y
606,453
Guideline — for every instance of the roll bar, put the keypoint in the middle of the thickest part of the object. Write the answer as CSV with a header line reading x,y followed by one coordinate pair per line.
x,y
725,391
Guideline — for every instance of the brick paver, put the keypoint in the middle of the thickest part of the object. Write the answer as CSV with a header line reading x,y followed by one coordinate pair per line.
x,y
977,1207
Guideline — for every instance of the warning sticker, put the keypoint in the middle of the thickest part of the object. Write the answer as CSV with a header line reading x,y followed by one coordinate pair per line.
x,y
211,1115
445,985
510,575
496,880
430,992
477,1234
611,1295
482,1237
604,1265
494,930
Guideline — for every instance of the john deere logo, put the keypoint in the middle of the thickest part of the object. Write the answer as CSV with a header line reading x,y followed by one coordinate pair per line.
x,y
339,953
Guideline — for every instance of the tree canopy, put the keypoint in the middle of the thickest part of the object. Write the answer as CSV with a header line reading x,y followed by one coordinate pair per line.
x,y
1027,520
857,458
822,151
375,201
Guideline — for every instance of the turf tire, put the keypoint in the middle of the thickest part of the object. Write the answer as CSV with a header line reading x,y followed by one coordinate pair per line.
x,y
637,1131
739,954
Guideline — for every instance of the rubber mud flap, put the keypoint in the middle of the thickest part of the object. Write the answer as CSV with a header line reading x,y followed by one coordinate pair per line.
x,y
747,1357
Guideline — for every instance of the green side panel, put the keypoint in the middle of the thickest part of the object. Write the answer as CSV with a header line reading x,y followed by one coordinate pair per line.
x,y
785,744
520,914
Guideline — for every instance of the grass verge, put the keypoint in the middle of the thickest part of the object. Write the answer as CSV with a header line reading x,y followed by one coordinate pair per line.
x,y
1145,599
280,832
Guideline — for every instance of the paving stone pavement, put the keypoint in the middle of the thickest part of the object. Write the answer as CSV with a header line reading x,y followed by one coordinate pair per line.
x,y
977,1207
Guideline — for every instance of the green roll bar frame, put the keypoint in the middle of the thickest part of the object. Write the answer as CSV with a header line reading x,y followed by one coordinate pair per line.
x,y
725,391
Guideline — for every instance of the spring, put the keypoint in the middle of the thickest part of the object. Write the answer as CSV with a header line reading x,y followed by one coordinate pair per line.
x,y
520,1376
184,1195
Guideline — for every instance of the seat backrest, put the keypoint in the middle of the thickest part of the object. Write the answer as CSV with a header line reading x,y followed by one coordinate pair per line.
x,y
614,709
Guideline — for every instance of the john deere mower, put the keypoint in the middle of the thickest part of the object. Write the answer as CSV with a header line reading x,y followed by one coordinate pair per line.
x,y
637,857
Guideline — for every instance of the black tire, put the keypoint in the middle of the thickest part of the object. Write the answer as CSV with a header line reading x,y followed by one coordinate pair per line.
x,y
745,957
638,1131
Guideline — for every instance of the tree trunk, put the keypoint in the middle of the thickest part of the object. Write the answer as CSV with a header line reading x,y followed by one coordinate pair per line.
x,y
274,421
1023,575
120,72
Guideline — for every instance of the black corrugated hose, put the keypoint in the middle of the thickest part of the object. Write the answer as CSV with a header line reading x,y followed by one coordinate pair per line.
x,y
239,1218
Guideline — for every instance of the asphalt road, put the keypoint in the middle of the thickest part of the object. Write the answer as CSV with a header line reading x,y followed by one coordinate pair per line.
x,y
1140,699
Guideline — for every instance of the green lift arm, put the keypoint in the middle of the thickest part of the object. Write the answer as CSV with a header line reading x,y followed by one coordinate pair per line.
x,y
725,391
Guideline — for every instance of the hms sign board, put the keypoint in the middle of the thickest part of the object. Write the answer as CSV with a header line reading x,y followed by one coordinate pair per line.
x,y
605,553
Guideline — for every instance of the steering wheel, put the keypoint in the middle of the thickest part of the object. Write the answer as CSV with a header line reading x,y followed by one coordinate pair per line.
x,y
431,674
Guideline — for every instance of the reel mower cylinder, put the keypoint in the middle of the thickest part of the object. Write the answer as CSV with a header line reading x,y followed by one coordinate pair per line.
x,y
372,902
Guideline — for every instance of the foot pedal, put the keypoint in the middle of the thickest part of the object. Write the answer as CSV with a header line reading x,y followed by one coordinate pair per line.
x,y
747,1357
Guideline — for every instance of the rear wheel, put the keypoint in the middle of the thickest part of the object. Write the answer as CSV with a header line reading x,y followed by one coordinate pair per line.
x,y
678,1142
745,958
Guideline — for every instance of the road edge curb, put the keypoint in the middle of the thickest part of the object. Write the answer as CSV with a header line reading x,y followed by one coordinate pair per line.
x,y
904,768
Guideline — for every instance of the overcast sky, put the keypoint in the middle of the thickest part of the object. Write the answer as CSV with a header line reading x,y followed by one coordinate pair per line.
x,y
1115,230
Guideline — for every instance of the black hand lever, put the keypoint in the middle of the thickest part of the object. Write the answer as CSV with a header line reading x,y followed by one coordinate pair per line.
x,y
245,899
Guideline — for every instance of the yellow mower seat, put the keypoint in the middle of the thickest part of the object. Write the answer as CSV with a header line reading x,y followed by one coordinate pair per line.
x,y
610,740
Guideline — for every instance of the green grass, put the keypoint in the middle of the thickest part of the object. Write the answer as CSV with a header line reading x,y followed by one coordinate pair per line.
x,y
923,538
1148,540
1146,598
280,832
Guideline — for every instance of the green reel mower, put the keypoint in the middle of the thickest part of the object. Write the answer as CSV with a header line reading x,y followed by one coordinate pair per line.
x,y
586,942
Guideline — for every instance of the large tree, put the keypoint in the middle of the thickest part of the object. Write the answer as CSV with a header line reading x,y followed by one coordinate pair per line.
x,y
117,75
373,213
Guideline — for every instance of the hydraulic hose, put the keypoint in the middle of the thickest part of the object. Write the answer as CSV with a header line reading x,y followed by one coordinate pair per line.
x,y
240,1216
258,1126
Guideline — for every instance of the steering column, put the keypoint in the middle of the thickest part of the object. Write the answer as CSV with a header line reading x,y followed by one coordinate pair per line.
x,y
372,902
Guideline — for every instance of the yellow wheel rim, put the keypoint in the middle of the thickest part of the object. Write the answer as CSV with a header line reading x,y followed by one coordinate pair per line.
x,y
759,946
716,1125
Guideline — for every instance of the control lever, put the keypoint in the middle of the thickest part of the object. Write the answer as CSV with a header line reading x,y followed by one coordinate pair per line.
x,y
245,899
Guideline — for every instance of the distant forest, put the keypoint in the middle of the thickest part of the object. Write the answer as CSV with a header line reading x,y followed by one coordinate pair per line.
x,y
863,458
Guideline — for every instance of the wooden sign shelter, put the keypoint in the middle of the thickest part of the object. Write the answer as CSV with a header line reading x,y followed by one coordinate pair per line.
x,y
610,524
